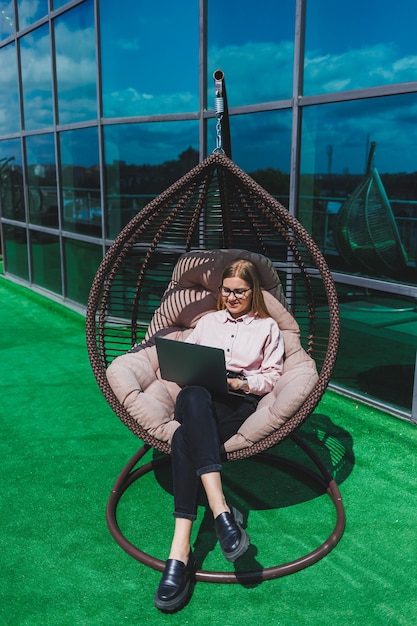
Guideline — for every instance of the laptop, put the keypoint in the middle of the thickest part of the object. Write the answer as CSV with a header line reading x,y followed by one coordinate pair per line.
x,y
192,364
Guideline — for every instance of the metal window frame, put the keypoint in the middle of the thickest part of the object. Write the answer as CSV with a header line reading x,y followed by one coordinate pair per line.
x,y
296,104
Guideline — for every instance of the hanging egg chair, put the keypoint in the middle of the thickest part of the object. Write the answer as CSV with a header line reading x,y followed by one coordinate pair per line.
x,y
162,273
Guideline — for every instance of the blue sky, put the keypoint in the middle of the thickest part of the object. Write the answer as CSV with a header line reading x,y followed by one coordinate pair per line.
x,y
353,24
150,66
348,46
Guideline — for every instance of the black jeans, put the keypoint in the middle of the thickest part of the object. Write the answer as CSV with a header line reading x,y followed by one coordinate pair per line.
x,y
206,423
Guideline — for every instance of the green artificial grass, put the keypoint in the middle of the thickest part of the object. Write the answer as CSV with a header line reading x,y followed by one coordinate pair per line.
x,y
62,449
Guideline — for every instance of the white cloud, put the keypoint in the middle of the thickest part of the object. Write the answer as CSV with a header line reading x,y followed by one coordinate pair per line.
x,y
131,102
76,57
255,71
9,111
355,69
28,10
36,64
129,45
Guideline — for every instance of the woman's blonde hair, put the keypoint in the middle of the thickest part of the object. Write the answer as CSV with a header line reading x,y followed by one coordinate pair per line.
x,y
246,270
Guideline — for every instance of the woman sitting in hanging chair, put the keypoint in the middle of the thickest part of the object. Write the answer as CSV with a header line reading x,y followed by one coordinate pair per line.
x,y
254,353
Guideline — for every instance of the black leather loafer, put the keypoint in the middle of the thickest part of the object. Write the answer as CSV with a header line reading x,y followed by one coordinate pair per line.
x,y
175,587
234,541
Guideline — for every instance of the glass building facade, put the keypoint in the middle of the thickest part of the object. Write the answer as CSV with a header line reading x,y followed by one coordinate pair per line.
x,y
104,104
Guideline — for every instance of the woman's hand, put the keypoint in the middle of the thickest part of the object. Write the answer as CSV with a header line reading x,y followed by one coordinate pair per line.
x,y
238,384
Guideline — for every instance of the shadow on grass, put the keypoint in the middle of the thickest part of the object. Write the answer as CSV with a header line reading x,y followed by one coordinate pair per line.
x,y
283,477
277,481
256,486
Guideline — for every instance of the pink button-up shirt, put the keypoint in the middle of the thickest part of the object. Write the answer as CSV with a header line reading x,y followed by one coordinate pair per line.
x,y
253,346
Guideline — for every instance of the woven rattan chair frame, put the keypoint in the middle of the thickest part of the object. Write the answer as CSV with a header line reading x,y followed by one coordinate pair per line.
x,y
214,206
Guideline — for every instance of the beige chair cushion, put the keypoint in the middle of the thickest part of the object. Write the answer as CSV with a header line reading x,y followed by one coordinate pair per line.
x,y
192,293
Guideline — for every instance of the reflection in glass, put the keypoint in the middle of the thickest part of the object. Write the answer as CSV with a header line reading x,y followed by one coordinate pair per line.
x,y
76,64
46,261
11,180
81,262
15,251
254,46
30,11
261,146
149,62
141,161
41,180
57,4
358,45
7,21
387,326
9,104
81,181
36,78
335,145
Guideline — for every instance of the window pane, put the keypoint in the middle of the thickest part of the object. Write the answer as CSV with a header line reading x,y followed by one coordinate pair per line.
x,y
7,21
76,64
141,161
9,104
46,261
30,11
57,4
378,47
36,78
11,180
254,46
81,181
81,262
336,144
261,146
41,180
15,251
386,325
149,64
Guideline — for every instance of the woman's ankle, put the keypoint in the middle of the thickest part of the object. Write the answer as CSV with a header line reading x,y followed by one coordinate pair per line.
x,y
180,554
218,510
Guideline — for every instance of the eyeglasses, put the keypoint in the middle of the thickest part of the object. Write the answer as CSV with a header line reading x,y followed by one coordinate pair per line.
x,y
240,294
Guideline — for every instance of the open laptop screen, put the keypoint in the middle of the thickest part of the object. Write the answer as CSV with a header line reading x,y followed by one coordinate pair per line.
x,y
192,364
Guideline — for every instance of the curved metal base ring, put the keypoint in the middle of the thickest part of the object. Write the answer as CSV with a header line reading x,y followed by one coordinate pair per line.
x,y
325,481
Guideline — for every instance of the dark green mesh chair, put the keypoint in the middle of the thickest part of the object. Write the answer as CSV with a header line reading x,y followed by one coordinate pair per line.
x,y
366,233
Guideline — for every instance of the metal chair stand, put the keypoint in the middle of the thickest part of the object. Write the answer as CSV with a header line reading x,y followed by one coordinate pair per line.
x,y
323,480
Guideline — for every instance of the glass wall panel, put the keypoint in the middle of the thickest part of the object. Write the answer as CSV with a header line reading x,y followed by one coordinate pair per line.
x,y
141,161
149,62
41,180
46,261
7,20
261,146
11,180
81,181
81,262
76,64
381,221
387,326
254,46
30,11
15,251
358,44
35,57
57,4
9,103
